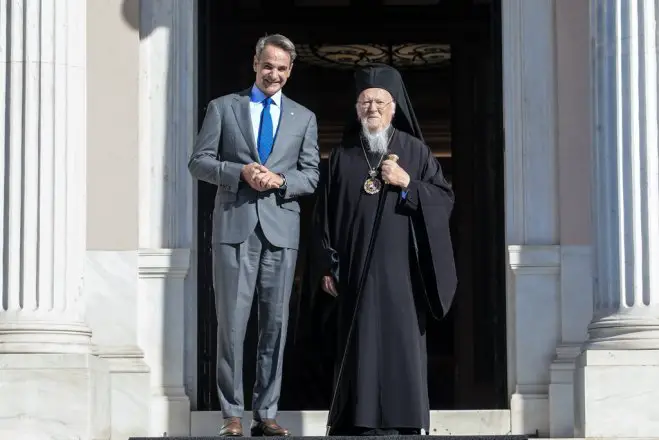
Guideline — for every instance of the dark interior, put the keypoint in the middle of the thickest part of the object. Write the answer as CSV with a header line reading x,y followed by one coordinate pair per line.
x,y
448,52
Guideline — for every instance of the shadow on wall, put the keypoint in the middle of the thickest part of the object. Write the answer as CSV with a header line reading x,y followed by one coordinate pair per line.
x,y
130,11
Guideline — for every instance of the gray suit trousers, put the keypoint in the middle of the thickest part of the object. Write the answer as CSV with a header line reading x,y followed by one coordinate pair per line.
x,y
240,271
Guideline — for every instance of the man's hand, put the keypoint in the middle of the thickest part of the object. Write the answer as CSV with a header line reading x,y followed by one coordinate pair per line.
x,y
268,180
260,178
393,174
249,173
329,286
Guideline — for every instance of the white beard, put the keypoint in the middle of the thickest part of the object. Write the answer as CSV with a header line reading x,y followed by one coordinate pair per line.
x,y
376,142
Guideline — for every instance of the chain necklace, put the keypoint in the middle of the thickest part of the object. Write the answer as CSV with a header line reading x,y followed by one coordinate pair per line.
x,y
372,184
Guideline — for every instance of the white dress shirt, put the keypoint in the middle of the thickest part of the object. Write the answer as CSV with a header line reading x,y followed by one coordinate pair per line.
x,y
256,98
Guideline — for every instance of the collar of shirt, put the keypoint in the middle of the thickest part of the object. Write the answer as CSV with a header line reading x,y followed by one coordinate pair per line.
x,y
257,96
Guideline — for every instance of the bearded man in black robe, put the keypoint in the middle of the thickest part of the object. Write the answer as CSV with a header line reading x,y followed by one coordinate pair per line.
x,y
381,247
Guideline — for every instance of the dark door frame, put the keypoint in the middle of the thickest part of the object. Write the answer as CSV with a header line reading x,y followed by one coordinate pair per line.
x,y
485,355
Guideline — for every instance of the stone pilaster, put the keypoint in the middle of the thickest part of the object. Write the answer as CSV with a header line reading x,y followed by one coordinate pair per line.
x,y
621,356
532,220
53,387
167,131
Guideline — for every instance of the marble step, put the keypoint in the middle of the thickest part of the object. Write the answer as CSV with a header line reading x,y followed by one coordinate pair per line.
x,y
411,437
312,423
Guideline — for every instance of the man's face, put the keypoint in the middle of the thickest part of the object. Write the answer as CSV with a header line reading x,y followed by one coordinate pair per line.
x,y
375,109
272,70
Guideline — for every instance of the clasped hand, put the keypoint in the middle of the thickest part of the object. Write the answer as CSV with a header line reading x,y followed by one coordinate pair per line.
x,y
260,178
393,174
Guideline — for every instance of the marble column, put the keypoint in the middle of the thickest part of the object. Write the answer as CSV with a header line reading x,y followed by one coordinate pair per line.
x,y
52,386
621,357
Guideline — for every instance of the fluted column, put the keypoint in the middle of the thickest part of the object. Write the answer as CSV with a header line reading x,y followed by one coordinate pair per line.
x,y
615,395
626,174
43,183
52,385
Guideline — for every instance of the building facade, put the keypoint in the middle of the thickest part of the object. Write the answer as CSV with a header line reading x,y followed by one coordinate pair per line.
x,y
98,332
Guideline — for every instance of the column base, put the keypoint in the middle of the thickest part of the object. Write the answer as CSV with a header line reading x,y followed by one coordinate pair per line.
x,y
54,396
37,334
130,390
636,329
529,409
561,391
615,396
170,412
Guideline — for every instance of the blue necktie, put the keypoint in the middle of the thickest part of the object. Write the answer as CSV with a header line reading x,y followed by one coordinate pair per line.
x,y
265,131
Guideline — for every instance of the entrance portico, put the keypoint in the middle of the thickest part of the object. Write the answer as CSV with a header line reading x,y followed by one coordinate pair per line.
x,y
549,290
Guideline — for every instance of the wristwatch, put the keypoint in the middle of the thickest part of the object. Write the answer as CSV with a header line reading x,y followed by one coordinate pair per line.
x,y
283,185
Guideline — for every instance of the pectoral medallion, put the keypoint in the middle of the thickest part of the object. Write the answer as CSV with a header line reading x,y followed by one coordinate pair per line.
x,y
372,185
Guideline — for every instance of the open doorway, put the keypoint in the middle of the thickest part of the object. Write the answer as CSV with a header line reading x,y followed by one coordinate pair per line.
x,y
454,82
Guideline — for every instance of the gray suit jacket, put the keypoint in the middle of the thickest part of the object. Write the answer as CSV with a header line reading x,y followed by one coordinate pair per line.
x,y
226,142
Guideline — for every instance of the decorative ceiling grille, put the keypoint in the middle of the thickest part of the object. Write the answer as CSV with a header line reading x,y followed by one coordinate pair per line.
x,y
348,56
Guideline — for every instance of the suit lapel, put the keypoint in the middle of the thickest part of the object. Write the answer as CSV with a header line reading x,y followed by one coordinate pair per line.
x,y
241,109
286,120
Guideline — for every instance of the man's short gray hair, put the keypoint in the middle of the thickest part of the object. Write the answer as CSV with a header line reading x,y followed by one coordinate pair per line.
x,y
276,40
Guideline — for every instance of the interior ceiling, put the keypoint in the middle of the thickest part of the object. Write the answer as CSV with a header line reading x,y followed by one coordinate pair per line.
x,y
413,35
344,3
346,21
338,3
329,93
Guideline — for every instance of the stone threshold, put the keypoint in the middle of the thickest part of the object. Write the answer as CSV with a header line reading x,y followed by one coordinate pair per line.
x,y
312,423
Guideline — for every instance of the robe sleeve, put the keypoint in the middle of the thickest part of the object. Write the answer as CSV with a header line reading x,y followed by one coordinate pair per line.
x,y
429,202
429,185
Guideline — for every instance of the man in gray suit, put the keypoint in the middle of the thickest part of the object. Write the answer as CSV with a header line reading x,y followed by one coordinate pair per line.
x,y
261,149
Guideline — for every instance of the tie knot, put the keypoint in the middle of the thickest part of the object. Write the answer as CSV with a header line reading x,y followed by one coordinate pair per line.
x,y
267,101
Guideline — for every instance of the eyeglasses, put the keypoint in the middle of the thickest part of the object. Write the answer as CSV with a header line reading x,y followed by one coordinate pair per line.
x,y
378,104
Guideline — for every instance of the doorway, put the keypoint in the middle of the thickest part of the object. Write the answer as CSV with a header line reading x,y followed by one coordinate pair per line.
x,y
456,92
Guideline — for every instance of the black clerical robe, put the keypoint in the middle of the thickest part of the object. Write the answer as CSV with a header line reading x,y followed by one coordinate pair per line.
x,y
383,382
